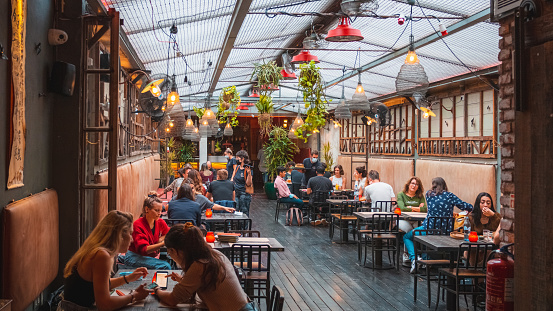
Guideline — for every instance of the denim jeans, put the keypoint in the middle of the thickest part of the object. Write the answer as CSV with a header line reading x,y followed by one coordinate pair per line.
x,y
410,246
297,202
136,261
244,200
265,177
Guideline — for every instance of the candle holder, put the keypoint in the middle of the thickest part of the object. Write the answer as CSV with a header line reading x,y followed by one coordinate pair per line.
x,y
473,236
208,213
397,211
210,237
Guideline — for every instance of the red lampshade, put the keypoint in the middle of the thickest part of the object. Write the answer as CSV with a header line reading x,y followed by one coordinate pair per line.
x,y
247,104
344,33
288,76
242,108
304,57
254,93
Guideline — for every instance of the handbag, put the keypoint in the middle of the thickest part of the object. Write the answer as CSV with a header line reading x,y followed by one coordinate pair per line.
x,y
249,189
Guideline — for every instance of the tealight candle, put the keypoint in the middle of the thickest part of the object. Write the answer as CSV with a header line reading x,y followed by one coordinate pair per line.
x,y
208,213
473,236
210,237
397,211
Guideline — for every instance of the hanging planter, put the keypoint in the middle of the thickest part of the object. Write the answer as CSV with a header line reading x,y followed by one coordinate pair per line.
x,y
312,87
227,109
268,78
265,107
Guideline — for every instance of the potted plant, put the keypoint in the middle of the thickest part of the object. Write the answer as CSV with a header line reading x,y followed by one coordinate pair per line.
x,y
229,99
279,150
268,78
328,157
186,152
170,154
312,86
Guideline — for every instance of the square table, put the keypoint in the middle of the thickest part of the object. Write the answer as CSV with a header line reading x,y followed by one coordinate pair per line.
x,y
274,245
152,302
413,216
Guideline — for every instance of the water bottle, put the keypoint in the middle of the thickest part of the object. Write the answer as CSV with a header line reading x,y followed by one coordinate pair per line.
x,y
356,192
466,228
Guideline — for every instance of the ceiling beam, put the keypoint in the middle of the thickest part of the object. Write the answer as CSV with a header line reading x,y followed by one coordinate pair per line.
x,y
457,27
238,16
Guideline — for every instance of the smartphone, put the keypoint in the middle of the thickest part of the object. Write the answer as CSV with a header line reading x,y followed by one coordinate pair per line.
x,y
161,279
151,285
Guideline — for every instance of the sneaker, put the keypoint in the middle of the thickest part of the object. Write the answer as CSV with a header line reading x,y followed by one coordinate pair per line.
x,y
315,222
406,258
413,267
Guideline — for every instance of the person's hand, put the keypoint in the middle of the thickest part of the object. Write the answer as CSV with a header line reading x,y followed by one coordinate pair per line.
x,y
229,209
415,209
137,273
140,293
248,169
487,212
175,277
421,205
162,239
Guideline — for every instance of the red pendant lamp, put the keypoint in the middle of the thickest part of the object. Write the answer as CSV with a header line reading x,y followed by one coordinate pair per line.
x,y
344,33
254,93
288,76
242,108
304,57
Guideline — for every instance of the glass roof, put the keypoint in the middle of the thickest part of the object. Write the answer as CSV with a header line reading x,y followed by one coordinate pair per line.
x,y
203,25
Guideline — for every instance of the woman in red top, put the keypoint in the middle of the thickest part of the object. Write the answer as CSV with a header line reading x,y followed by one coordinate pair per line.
x,y
148,237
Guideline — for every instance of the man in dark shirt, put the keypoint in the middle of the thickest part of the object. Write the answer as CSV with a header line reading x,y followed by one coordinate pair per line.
x,y
297,177
222,188
318,183
311,164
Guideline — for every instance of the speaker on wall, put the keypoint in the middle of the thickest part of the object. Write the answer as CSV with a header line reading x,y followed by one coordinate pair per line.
x,y
62,79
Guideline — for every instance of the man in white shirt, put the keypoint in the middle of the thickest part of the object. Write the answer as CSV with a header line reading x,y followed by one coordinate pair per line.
x,y
377,190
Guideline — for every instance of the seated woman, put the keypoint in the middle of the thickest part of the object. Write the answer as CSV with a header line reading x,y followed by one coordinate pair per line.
x,y
360,177
197,182
339,178
483,215
440,204
148,236
206,174
87,273
411,199
174,186
184,206
204,202
207,273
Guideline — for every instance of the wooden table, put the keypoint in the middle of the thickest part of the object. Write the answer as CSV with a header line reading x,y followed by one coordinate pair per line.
x,y
221,217
367,216
337,203
273,244
413,216
152,302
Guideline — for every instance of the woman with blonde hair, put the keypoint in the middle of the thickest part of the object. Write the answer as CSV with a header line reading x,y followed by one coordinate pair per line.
x,y
87,273
207,273
148,236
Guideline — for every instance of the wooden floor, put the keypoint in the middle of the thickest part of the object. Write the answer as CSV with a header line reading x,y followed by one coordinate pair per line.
x,y
316,274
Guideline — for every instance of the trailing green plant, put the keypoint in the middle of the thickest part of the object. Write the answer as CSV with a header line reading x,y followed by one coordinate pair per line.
x,y
312,86
186,152
265,107
328,157
199,111
229,99
268,76
279,149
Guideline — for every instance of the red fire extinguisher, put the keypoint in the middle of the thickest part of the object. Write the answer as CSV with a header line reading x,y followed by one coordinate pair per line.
x,y
500,281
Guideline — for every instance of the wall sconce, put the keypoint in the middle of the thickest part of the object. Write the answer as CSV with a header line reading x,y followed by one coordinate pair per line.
x,y
2,54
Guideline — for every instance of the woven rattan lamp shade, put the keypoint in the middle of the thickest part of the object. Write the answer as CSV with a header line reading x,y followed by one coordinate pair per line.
x,y
412,79
342,111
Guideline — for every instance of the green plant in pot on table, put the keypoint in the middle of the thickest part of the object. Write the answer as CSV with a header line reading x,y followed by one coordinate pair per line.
x,y
279,150
312,86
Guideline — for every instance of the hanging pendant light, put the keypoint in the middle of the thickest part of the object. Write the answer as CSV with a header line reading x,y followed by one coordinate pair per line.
x,y
411,79
292,133
153,86
427,112
287,76
342,111
228,130
254,93
208,113
304,57
359,100
344,33
297,122
355,7
173,97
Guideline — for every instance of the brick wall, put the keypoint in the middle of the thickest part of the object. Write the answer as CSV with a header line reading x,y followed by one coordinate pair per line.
x,y
507,128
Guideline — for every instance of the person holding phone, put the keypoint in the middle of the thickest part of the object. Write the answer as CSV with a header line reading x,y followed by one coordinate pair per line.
x,y
148,236
242,178
207,273
87,273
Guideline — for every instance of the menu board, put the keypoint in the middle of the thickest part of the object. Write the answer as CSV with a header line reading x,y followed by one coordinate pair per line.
x,y
17,155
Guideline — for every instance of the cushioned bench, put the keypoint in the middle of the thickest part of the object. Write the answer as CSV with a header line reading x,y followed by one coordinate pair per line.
x,y
30,247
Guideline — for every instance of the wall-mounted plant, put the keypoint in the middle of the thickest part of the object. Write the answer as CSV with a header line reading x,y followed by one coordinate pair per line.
x,y
265,107
312,86
229,99
279,149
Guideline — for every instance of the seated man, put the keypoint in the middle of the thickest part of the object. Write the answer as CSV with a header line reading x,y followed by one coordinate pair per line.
x,y
221,189
377,190
283,190
205,203
318,183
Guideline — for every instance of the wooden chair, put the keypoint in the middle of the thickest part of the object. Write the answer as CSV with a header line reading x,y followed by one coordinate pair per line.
x,y
465,269
343,219
277,299
430,262
255,261
237,224
383,236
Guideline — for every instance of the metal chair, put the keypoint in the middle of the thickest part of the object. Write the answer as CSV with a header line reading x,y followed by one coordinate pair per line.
x,y
343,219
465,268
384,206
255,261
279,205
319,205
383,236
237,224
172,222
277,299
445,224
430,262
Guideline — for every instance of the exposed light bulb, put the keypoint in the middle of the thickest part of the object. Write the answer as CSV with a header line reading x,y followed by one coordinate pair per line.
x,y
173,98
189,122
285,125
155,91
163,108
359,88
167,129
171,124
426,115
411,58
205,122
